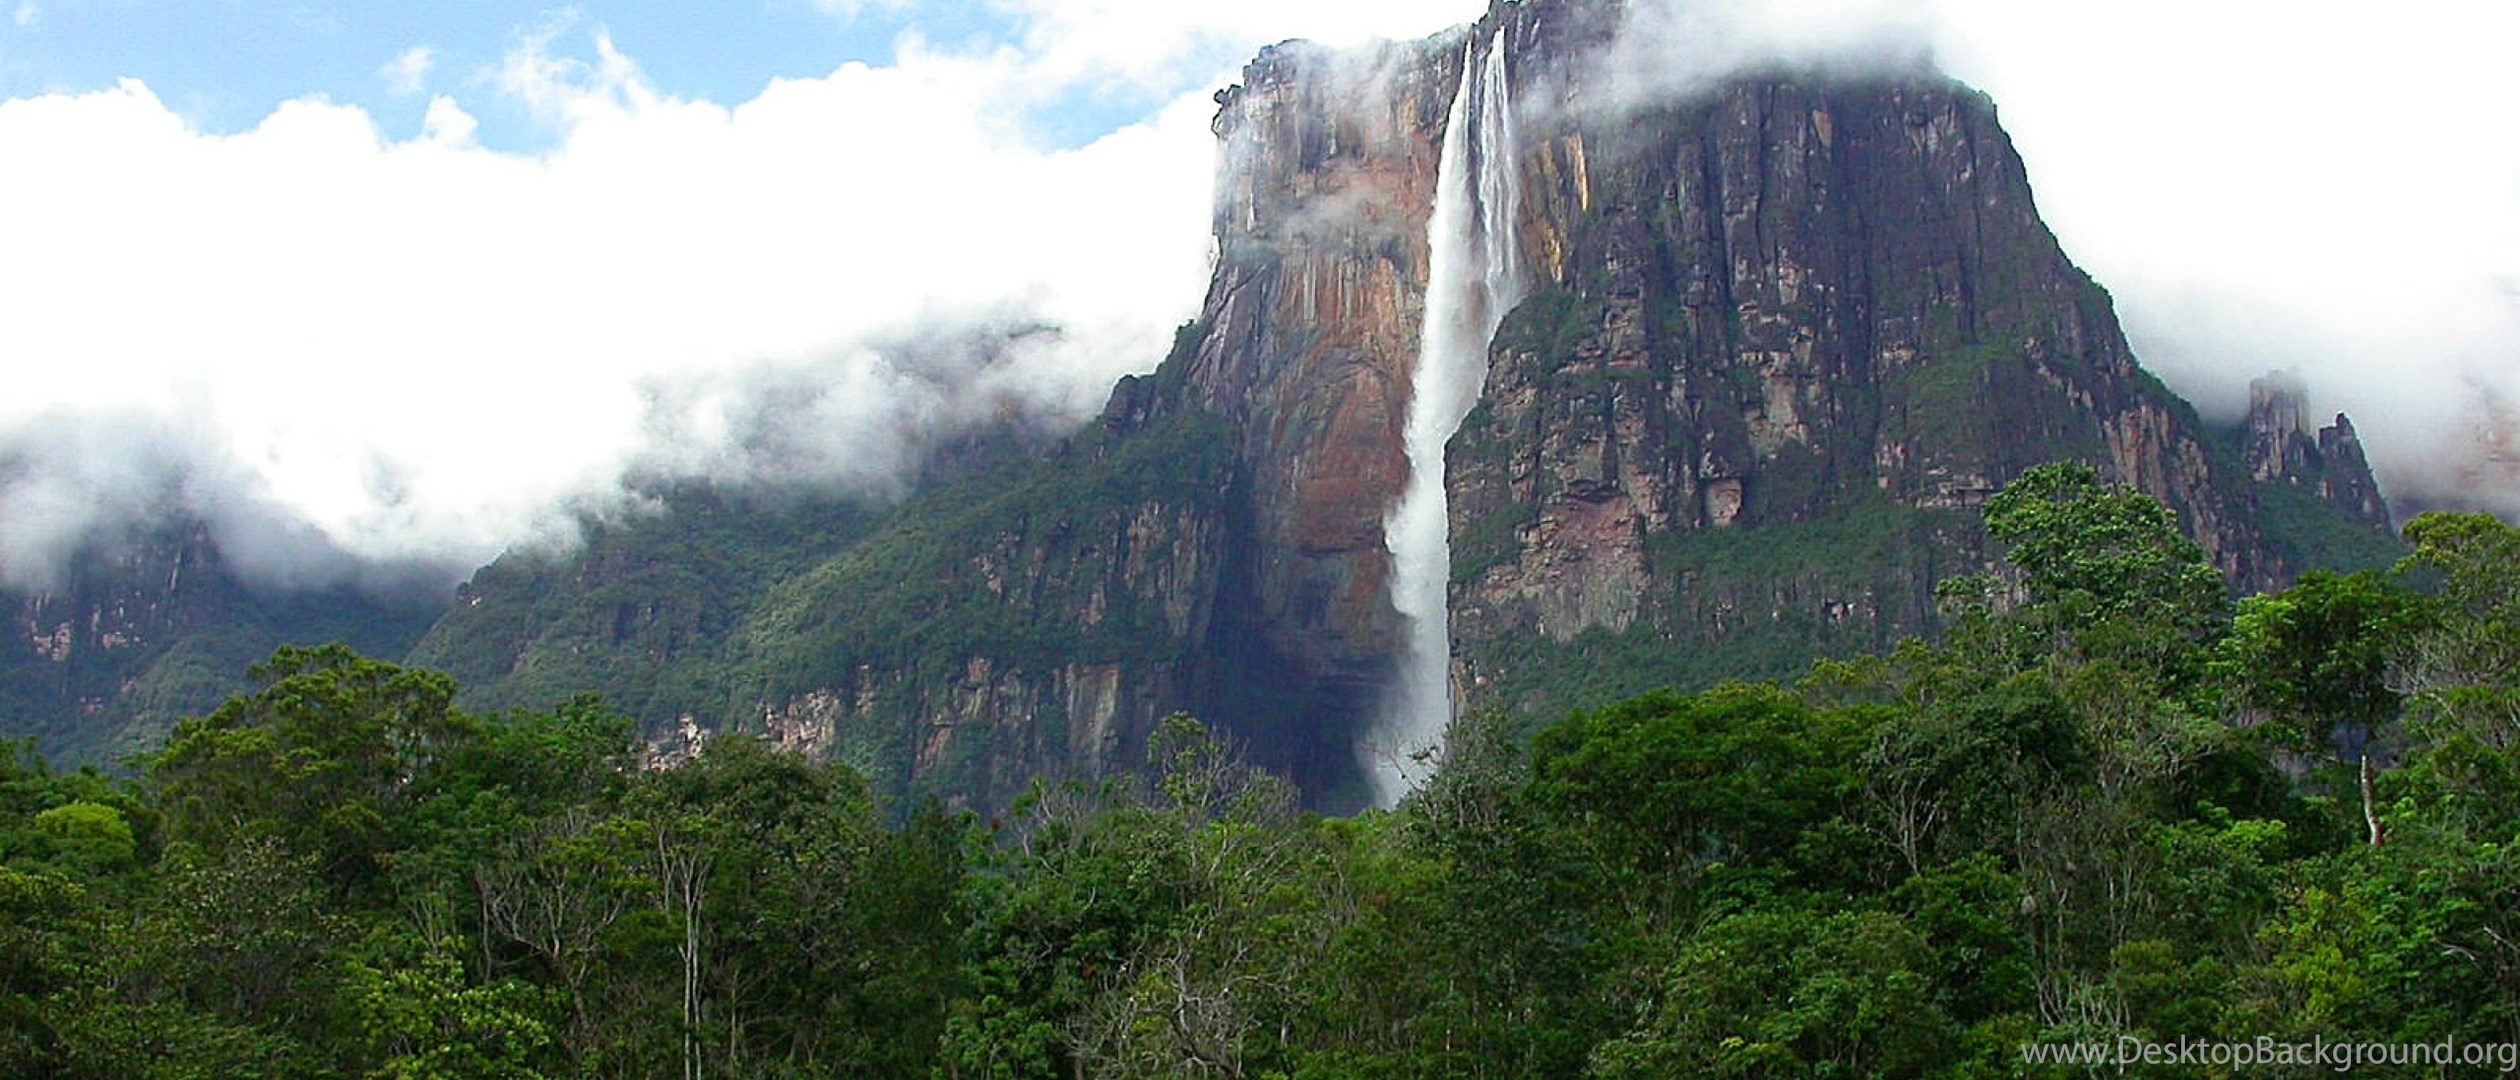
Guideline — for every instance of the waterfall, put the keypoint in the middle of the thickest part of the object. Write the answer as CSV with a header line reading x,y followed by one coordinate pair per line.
x,y
1474,275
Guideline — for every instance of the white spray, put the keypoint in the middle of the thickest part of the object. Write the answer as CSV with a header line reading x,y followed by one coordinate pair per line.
x,y
1473,277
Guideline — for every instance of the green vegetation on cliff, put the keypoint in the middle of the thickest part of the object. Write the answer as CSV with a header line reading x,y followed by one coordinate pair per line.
x,y
722,607
149,627
644,610
1755,602
923,589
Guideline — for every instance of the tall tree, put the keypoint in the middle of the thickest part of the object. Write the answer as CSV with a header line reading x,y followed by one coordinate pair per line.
x,y
2463,673
319,759
2106,568
2317,659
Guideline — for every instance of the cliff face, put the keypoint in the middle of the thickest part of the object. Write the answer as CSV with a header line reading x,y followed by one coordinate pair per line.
x,y
149,627
1035,621
1787,333
1791,331
1778,305
118,613
1307,339
1034,615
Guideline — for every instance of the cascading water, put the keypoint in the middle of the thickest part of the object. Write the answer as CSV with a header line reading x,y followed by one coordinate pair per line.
x,y
1474,275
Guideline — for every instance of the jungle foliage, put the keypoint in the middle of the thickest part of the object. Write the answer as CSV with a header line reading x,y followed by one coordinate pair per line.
x,y
2106,804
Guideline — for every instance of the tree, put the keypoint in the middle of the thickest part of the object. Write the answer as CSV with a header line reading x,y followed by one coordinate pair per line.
x,y
1956,772
2318,657
319,759
2463,674
1197,998
1793,994
39,918
2107,570
422,1018
230,963
556,892
755,864
1665,786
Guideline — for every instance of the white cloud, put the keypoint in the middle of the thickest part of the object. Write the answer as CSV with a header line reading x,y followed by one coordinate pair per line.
x,y
425,348
1159,40
422,348
408,73
25,14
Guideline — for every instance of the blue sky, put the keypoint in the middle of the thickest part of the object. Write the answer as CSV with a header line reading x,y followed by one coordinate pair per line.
x,y
419,281
226,64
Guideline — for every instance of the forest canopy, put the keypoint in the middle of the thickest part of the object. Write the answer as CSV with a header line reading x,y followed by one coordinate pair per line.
x,y
2107,803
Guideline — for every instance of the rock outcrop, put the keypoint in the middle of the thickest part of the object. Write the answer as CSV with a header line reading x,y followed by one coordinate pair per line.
x,y
2282,448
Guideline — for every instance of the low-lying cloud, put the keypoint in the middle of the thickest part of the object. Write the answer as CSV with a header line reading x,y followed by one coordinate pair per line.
x,y
422,350
351,348
347,348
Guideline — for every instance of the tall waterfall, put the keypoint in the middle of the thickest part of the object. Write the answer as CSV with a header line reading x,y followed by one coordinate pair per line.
x,y
1474,275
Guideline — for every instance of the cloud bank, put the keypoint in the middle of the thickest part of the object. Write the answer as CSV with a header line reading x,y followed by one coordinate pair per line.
x,y
423,350
342,347
345,348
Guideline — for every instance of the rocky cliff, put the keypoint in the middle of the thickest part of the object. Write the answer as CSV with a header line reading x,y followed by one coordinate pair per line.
x,y
1030,613
146,626
2282,448
1790,330
1786,332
